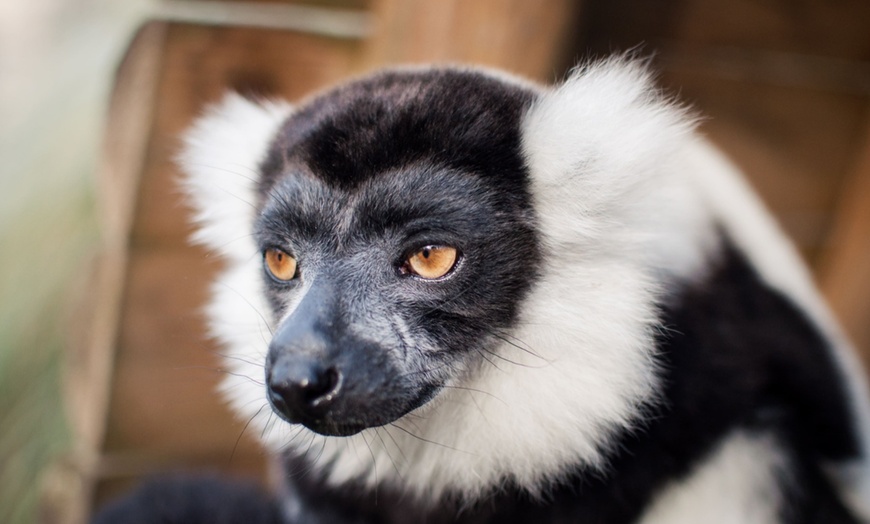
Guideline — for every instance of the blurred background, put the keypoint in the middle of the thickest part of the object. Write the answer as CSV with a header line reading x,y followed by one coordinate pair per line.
x,y
56,64
105,375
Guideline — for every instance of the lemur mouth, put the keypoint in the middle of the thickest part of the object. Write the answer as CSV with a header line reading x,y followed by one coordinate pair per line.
x,y
329,426
325,426
331,429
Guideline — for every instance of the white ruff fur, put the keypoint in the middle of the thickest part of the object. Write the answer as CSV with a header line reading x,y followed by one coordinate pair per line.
x,y
221,156
627,198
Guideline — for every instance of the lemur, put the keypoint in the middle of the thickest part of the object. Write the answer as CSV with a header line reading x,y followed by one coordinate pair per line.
x,y
456,296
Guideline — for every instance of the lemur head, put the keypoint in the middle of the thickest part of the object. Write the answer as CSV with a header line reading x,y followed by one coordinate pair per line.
x,y
448,254
397,234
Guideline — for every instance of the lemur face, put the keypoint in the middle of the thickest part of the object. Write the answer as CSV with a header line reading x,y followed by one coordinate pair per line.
x,y
391,270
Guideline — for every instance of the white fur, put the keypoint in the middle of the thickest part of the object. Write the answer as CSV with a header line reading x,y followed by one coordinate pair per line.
x,y
737,484
221,157
627,197
605,151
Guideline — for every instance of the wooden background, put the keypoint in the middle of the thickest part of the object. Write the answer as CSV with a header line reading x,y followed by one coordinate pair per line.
x,y
785,87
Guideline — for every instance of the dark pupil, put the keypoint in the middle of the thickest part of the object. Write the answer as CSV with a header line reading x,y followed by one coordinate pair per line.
x,y
280,257
426,252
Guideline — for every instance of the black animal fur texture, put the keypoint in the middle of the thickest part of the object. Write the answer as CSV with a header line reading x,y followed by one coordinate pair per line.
x,y
611,345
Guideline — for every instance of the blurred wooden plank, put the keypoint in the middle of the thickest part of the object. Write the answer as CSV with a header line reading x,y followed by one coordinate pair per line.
x,y
845,273
794,144
351,4
91,349
837,29
127,136
335,21
527,38
164,399
819,29
166,413
201,64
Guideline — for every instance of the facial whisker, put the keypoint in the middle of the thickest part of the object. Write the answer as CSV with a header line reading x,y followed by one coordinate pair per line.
x,y
374,463
473,390
400,428
245,428
387,452
506,338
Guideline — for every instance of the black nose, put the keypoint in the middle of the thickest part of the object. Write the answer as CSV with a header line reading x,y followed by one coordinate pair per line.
x,y
302,391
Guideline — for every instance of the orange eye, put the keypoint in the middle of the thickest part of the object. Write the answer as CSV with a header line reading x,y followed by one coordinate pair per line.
x,y
281,265
432,262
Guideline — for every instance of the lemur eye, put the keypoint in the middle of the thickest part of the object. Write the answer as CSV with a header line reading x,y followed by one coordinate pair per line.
x,y
280,265
431,262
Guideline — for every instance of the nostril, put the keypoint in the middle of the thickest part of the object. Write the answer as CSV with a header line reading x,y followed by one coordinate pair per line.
x,y
323,389
304,393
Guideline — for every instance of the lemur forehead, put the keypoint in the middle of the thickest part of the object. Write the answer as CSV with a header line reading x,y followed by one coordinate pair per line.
x,y
464,120
417,196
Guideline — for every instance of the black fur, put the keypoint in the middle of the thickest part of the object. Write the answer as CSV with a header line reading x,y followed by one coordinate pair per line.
x,y
192,500
459,120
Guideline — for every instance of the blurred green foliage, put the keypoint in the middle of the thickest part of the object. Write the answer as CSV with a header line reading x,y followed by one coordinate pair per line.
x,y
46,246
56,63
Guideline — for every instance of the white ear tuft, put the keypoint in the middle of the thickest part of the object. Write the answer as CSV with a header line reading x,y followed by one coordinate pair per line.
x,y
221,161
601,138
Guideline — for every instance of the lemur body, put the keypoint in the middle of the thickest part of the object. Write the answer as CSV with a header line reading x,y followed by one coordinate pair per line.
x,y
475,299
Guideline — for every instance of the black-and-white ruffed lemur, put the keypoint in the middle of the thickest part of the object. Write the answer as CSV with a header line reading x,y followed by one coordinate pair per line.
x,y
455,296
